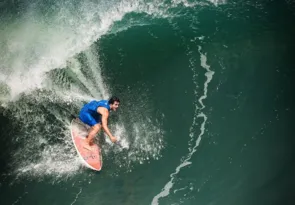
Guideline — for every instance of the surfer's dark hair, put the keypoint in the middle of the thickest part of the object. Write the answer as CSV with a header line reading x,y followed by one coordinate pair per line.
x,y
114,99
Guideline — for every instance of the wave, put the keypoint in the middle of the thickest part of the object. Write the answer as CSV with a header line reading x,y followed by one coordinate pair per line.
x,y
50,66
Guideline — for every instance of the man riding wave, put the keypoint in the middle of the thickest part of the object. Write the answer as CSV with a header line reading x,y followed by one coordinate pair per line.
x,y
95,114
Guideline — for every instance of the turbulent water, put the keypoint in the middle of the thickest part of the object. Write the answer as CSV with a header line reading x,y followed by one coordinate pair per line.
x,y
206,101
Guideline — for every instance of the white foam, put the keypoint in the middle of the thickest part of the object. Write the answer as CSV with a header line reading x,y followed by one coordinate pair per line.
x,y
209,74
77,195
218,2
58,159
187,3
199,114
34,47
120,133
166,190
19,198
55,160
96,71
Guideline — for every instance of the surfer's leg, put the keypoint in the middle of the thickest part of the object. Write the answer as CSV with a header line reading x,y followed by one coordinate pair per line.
x,y
95,125
89,139
93,131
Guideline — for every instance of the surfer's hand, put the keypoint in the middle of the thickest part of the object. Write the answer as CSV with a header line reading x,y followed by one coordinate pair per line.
x,y
113,139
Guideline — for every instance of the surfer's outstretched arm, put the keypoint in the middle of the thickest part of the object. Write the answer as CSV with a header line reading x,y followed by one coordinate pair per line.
x,y
105,115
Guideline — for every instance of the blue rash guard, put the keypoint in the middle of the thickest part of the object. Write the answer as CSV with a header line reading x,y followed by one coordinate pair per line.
x,y
89,114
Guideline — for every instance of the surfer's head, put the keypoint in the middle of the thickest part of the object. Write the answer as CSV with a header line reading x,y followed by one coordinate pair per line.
x,y
114,103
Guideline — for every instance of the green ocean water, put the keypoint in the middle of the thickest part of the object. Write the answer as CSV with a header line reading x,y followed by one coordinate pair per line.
x,y
206,101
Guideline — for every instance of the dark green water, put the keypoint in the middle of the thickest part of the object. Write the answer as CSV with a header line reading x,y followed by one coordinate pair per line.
x,y
206,101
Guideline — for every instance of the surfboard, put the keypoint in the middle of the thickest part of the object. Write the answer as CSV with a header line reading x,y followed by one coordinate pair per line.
x,y
90,158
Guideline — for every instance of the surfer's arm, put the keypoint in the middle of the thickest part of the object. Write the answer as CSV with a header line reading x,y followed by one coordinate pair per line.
x,y
104,120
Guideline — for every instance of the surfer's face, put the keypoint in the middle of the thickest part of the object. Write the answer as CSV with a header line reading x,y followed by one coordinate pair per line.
x,y
115,105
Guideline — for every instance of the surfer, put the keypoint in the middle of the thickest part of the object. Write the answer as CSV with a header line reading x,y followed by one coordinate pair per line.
x,y
95,114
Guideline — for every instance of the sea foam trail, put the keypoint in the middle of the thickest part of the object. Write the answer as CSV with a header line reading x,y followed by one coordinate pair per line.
x,y
198,114
77,195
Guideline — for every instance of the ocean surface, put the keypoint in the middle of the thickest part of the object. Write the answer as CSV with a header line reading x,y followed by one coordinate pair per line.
x,y
207,101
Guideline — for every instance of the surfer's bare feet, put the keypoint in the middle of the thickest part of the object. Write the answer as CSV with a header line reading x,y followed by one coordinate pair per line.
x,y
87,145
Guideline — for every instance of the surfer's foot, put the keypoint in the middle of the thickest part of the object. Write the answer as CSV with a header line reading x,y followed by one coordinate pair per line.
x,y
88,144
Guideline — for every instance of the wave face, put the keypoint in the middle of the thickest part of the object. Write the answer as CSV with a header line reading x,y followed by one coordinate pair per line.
x,y
193,124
